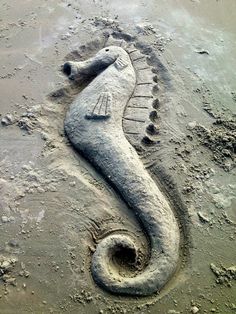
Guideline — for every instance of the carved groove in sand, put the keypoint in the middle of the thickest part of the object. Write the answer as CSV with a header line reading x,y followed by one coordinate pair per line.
x,y
116,105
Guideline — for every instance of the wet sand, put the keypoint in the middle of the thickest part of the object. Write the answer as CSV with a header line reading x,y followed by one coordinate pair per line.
x,y
50,196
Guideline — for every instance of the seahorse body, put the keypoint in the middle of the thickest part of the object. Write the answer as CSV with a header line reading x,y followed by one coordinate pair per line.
x,y
94,126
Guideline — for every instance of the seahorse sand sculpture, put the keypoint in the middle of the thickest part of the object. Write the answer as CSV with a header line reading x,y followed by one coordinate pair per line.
x,y
104,123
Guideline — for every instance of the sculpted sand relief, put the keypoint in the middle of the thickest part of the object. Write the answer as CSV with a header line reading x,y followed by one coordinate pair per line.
x,y
103,122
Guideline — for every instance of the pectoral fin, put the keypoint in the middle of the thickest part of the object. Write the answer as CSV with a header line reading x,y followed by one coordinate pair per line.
x,y
102,108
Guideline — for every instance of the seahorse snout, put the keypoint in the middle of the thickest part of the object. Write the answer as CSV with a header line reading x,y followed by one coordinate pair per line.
x,y
84,70
81,70
71,69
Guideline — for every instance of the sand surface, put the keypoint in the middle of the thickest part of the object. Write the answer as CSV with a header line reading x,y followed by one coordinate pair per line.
x,y
50,196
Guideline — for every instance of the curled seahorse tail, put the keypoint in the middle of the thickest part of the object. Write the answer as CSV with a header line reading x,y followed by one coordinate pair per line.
x,y
151,279
120,164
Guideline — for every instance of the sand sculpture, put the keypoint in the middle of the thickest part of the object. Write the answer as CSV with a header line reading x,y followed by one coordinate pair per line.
x,y
104,121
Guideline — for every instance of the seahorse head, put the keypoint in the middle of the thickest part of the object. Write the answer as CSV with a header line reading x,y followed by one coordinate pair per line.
x,y
95,65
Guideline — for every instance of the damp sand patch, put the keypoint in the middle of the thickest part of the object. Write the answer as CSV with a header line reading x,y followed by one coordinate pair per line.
x,y
224,275
220,139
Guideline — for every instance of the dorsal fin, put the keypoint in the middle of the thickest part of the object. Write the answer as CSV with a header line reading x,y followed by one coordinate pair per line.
x,y
102,108
140,121
140,116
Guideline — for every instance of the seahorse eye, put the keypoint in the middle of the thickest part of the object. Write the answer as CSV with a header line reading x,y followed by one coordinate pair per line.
x,y
107,49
